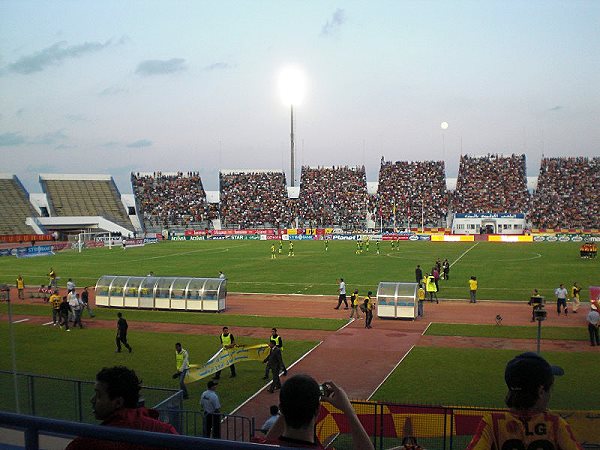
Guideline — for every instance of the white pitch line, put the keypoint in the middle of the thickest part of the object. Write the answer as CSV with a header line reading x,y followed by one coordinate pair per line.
x,y
19,321
391,372
269,383
464,253
47,323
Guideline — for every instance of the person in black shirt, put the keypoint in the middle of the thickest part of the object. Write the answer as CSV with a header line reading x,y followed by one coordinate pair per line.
x,y
122,334
419,274
63,311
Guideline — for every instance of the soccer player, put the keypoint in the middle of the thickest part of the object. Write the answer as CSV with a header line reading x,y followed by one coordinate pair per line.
x,y
291,249
527,424
273,251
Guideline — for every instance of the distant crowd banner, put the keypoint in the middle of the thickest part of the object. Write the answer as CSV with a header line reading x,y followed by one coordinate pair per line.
x,y
566,237
423,422
36,250
225,358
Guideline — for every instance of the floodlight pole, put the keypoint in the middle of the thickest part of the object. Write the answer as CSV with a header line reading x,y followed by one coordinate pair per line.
x,y
13,355
292,169
539,336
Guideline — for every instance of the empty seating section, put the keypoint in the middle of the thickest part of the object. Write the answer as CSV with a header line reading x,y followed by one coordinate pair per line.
x,y
414,188
85,197
567,194
171,198
333,196
492,183
14,207
254,198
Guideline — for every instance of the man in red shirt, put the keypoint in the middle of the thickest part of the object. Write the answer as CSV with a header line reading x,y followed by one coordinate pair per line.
x,y
115,402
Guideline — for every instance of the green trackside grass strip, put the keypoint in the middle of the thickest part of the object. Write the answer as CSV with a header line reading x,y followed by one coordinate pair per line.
x,y
192,318
475,377
80,354
508,332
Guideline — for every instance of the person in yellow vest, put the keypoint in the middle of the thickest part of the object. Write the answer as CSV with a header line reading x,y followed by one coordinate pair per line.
x,y
575,290
227,341
55,301
20,287
421,298
354,305
182,360
473,289
431,288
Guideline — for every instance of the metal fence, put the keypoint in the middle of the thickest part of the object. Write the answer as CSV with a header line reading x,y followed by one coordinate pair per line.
x,y
64,398
432,427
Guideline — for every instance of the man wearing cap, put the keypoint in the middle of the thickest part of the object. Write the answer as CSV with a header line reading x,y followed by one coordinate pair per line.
x,y
593,319
527,424
211,408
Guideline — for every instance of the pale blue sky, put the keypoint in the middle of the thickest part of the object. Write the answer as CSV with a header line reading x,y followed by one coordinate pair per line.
x,y
115,86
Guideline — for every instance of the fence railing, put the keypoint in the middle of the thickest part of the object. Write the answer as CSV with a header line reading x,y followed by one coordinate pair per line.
x,y
32,428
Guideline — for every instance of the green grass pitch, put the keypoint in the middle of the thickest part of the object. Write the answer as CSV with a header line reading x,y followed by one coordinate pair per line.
x,y
504,271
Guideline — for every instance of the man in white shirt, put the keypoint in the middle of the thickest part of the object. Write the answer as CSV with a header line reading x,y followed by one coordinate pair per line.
x,y
561,299
211,408
342,297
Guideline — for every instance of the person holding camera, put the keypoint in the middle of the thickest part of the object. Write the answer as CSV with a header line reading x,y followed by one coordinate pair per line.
x,y
300,401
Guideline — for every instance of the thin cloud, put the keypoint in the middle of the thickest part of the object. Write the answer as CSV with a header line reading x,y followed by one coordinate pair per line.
x,y
11,139
556,108
160,67
333,25
113,90
54,55
110,144
218,66
49,138
64,147
76,117
140,143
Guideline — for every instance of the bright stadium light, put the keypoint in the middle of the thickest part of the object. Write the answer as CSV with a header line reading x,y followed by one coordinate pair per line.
x,y
444,125
292,88
292,85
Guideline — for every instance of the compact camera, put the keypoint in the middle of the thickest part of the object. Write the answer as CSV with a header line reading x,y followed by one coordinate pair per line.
x,y
324,390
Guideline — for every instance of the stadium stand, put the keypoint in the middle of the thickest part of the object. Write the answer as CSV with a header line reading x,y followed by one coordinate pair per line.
x,y
171,198
567,194
254,198
14,207
84,195
413,187
333,196
491,184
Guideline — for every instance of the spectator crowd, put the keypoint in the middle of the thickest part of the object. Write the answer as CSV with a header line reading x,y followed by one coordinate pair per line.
x,y
251,199
491,184
175,199
333,196
567,194
409,188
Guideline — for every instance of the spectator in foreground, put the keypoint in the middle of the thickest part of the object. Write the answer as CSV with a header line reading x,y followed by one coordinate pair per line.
x,y
527,424
299,401
274,411
115,403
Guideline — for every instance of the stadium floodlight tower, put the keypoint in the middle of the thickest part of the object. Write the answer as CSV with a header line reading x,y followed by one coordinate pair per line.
x,y
292,88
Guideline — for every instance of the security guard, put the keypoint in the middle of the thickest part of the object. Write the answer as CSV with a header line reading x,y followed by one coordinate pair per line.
x,y
227,341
